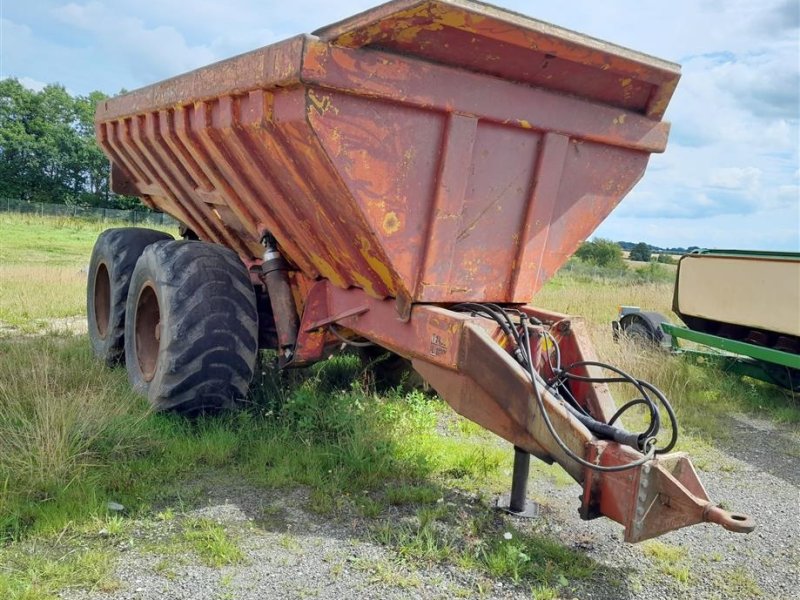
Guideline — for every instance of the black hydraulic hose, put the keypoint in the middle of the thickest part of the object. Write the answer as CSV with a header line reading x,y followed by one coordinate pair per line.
x,y
606,431
505,314
625,407
566,449
673,419
655,416
499,318
563,390
644,441
640,385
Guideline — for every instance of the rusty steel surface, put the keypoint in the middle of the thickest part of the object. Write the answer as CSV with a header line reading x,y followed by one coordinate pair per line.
x,y
426,151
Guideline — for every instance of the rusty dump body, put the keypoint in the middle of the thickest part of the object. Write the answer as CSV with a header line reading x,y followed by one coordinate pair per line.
x,y
418,155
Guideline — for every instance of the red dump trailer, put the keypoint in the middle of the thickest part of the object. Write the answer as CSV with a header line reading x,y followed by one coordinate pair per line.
x,y
410,176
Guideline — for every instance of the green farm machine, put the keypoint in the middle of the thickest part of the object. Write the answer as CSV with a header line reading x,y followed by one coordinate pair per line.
x,y
741,311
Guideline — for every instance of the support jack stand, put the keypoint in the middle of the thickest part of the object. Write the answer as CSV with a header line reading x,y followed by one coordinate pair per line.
x,y
516,503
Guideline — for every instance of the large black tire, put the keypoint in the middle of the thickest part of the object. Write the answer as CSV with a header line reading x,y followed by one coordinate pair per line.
x,y
191,329
113,259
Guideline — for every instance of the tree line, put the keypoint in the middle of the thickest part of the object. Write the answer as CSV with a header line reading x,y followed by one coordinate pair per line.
x,y
605,253
48,151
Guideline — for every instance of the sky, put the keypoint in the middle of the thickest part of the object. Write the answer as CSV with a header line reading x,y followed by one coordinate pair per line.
x,y
730,177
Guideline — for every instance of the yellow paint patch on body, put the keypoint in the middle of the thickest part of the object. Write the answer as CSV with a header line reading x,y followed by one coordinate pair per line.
x,y
620,119
524,124
625,81
326,270
391,224
322,105
365,284
456,18
380,269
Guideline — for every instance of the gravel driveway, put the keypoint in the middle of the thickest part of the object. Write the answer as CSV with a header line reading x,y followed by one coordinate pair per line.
x,y
290,552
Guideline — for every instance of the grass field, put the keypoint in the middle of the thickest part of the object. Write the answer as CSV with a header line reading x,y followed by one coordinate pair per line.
x,y
74,437
43,264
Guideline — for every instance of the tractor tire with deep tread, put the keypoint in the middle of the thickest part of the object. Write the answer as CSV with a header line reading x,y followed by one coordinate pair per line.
x,y
113,259
192,327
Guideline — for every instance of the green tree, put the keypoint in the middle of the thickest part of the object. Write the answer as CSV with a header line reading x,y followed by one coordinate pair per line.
x,y
17,151
665,259
48,151
601,252
640,252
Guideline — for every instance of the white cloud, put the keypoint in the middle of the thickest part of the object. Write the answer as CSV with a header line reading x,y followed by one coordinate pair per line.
x,y
32,84
148,52
735,178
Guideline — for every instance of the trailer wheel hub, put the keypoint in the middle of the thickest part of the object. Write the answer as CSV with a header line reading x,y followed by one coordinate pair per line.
x,y
148,330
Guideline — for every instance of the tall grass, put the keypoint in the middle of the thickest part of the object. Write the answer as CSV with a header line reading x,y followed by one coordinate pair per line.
x,y
73,436
595,293
43,264
27,298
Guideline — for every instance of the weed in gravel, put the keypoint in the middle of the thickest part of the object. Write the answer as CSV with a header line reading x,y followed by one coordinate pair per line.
x,y
486,544
226,591
215,546
166,568
544,592
532,557
398,495
738,583
387,573
109,526
166,515
39,571
369,507
670,560
661,552
287,542
420,539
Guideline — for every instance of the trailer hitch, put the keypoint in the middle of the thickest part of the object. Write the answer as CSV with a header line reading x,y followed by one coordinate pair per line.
x,y
659,496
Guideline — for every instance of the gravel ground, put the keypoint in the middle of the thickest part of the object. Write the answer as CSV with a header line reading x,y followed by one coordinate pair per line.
x,y
73,325
293,553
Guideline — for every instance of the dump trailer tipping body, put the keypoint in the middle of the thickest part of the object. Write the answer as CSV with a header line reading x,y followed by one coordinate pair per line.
x,y
417,172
